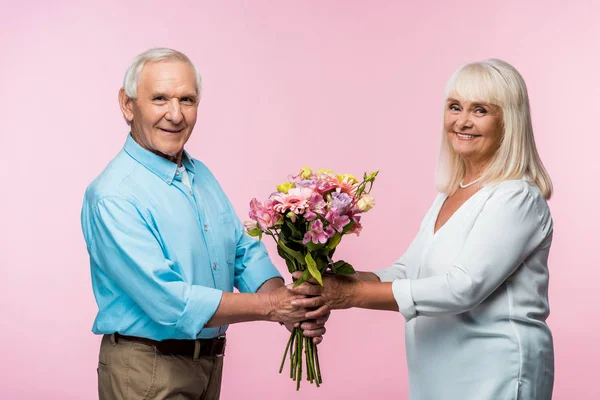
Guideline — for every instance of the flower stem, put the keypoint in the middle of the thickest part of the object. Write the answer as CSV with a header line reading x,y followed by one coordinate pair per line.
x,y
316,352
287,347
299,376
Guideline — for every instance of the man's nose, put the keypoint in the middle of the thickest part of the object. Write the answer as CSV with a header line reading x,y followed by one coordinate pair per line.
x,y
174,114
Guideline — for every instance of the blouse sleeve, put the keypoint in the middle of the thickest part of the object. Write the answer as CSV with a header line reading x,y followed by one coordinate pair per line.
x,y
512,224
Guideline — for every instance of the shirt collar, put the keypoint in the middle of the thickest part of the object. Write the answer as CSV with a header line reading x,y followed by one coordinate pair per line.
x,y
156,164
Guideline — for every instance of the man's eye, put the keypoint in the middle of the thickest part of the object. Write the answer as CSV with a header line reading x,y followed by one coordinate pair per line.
x,y
188,100
159,98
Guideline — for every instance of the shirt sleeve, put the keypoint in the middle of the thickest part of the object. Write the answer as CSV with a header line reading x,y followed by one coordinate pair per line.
x,y
252,264
125,247
511,225
396,271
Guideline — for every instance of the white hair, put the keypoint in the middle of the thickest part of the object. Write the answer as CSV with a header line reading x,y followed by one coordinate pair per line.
x,y
157,54
499,83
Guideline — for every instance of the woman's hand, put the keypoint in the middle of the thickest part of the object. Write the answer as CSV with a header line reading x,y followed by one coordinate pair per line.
x,y
337,292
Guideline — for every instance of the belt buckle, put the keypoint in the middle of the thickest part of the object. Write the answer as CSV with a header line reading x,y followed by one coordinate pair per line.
x,y
221,339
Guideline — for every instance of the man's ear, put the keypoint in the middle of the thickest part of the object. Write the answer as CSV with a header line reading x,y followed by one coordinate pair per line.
x,y
126,104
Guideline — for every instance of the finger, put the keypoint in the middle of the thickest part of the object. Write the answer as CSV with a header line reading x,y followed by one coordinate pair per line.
x,y
309,302
317,340
314,333
309,326
297,275
321,321
318,313
307,289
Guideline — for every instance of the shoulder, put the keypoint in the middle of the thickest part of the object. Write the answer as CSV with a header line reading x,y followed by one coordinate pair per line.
x,y
116,181
520,196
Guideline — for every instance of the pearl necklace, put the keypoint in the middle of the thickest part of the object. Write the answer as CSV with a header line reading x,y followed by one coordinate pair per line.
x,y
469,184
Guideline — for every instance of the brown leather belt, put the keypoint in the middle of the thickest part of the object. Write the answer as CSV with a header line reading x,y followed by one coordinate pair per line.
x,y
208,347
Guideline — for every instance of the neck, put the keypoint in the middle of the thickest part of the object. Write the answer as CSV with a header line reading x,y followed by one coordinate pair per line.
x,y
473,170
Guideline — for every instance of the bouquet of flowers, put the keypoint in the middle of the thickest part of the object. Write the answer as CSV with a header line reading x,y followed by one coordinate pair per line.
x,y
307,217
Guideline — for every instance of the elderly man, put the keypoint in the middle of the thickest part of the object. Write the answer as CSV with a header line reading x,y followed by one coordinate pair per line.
x,y
166,249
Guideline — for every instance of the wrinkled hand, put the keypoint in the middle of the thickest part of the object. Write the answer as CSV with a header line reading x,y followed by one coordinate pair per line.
x,y
284,307
337,292
313,328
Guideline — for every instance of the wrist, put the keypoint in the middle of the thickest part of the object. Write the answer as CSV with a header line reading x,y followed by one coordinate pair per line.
x,y
356,294
267,308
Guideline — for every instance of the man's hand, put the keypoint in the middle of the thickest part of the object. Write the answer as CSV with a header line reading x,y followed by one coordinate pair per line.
x,y
283,306
337,292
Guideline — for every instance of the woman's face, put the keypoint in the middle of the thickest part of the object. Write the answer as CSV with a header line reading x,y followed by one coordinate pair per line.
x,y
474,129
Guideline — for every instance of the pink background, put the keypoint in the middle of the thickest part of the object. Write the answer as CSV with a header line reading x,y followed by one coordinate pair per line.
x,y
349,85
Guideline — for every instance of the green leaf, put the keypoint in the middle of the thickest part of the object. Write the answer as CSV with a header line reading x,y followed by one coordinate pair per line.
x,y
312,268
348,226
314,246
322,263
295,233
291,264
254,232
303,278
334,241
343,268
293,253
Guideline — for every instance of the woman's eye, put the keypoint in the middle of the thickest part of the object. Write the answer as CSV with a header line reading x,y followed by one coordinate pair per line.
x,y
480,111
454,107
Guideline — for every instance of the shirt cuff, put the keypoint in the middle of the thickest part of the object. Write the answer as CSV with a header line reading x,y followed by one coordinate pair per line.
x,y
385,275
201,306
253,277
403,295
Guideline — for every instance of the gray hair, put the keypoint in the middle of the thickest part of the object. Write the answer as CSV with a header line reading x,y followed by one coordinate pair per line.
x,y
132,76
496,82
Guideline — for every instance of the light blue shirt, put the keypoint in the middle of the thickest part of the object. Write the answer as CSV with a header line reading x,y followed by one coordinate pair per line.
x,y
162,254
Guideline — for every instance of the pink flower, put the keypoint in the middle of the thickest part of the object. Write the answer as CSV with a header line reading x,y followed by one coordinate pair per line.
x,y
326,183
357,228
338,222
346,186
316,233
250,225
264,215
316,205
296,200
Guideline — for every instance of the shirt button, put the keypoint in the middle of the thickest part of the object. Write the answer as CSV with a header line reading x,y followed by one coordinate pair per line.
x,y
168,181
206,227
177,172
190,192
214,265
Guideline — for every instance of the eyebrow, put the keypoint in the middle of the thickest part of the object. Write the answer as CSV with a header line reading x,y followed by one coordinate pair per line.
x,y
188,95
474,104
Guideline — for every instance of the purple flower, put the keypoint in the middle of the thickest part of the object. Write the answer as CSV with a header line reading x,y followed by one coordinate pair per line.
x,y
340,202
316,233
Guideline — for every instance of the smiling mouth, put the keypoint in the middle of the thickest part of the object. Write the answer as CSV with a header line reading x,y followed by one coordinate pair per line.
x,y
465,136
171,130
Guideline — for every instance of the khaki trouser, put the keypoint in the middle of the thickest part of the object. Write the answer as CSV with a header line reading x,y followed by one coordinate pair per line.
x,y
129,370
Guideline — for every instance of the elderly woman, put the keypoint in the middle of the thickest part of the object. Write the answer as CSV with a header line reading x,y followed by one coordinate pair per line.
x,y
473,285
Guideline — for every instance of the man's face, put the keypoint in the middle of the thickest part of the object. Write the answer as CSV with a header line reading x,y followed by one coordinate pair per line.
x,y
164,113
